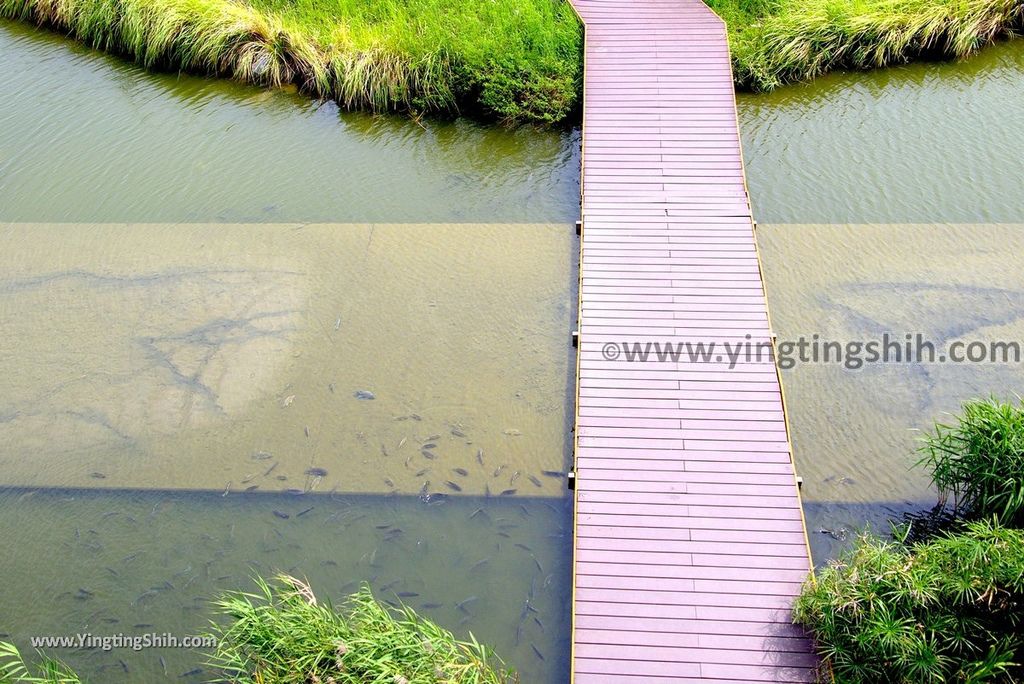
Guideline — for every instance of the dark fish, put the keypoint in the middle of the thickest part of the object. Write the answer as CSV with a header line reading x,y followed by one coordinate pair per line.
x,y
316,472
431,606
428,454
535,481
270,469
281,478
431,438
306,429
453,486
365,395
430,445
458,433
192,673
98,476
112,571
477,512
421,473
252,488
537,651
389,482
524,547
553,473
329,562
406,594
461,471
480,563
508,492
461,605
124,665
480,456
539,623
304,511
281,515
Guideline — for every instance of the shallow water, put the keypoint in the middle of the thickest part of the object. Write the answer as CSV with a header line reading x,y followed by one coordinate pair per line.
x,y
878,196
232,357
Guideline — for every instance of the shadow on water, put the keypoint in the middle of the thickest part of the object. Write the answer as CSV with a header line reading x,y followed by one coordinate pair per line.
x,y
142,562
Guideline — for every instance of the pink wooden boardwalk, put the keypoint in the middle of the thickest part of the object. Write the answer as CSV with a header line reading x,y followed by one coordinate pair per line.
x,y
690,542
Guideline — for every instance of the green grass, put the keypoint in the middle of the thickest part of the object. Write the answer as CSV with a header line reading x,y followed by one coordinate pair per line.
x,y
14,669
979,461
510,60
507,60
780,41
283,635
947,610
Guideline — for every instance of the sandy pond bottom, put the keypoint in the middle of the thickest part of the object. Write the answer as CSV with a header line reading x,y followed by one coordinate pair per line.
x,y
331,358
855,430
184,406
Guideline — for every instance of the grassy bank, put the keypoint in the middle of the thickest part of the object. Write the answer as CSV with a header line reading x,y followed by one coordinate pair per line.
x,y
509,60
514,60
780,41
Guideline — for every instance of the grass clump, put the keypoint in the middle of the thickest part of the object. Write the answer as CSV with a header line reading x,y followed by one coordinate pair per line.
x,y
512,60
779,41
283,635
947,610
14,669
979,461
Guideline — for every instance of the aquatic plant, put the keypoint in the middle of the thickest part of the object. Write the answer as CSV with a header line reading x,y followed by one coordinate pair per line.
x,y
979,461
513,60
14,669
946,610
282,634
778,41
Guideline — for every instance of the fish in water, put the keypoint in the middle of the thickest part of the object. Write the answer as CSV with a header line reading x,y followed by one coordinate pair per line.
x,y
304,512
457,432
537,651
461,471
461,605
252,488
552,473
316,472
192,673
431,606
407,594
508,492
497,471
480,456
270,469
453,486
480,563
430,445
534,480
281,515
365,395
428,453
97,475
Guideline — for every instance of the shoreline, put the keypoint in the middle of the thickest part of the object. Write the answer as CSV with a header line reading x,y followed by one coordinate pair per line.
x,y
476,65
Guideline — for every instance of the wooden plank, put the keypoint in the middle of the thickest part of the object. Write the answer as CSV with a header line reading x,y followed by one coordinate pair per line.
x,y
690,543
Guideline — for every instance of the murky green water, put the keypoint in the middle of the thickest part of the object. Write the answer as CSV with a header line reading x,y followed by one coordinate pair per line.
x,y
87,137
889,202
921,143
